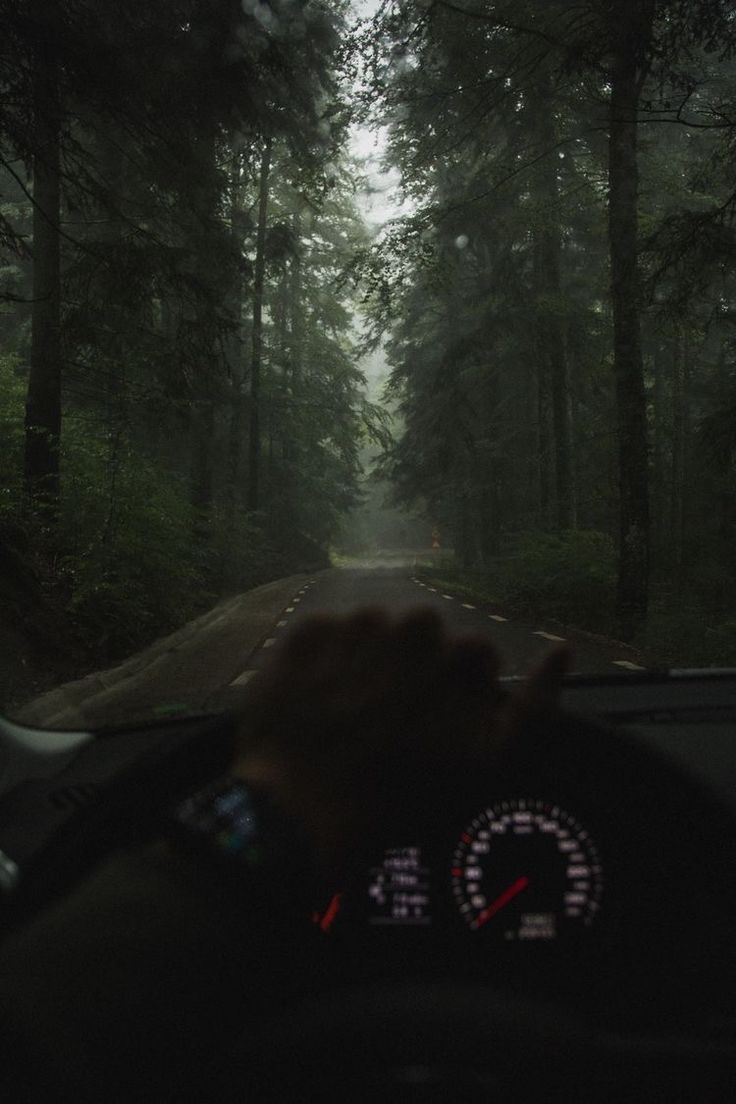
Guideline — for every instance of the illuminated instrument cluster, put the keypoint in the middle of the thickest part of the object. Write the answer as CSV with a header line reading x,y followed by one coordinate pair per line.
x,y
520,871
526,870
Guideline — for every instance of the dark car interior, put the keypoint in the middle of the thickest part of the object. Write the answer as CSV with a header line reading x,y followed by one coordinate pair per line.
x,y
557,922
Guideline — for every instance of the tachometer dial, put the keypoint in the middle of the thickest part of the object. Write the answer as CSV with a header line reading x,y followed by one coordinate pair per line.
x,y
526,870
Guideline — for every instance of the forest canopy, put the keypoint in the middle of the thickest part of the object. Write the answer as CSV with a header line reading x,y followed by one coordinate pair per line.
x,y
558,304
181,398
188,290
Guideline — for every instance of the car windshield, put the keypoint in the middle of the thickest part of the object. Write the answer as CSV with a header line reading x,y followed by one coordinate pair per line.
x,y
309,304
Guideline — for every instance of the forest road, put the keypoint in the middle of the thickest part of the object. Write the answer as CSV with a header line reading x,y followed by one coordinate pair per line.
x,y
393,587
207,664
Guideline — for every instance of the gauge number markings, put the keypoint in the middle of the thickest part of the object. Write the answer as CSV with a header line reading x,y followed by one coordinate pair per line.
x,y
581,887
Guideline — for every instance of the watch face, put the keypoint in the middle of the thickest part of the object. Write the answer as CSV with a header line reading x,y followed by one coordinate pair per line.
x,y
225,815
249,850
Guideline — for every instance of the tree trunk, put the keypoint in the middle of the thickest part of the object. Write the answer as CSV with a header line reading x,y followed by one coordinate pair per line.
x,y
490,510
544,439
280,408
680,435
726,505
660,542
203,420
626,76
202,466
254,442
236,428
295,339
43,402
573,380
542,410
550,291
489,498
295,296
464,532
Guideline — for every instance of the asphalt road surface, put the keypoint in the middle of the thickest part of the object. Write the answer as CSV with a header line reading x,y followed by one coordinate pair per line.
x,y
207,664
395,588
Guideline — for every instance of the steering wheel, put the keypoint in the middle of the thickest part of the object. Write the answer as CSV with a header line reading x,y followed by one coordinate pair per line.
x,y
450,1042
454,1040
425,1041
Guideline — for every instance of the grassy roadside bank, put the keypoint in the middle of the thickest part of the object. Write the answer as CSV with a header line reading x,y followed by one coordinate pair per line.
x,y
680,631
58,625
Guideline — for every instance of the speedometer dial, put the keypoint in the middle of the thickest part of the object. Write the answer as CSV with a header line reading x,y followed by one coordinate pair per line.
x,y
526,870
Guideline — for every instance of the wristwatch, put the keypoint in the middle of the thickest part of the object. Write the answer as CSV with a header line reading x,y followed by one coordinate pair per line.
x,y
245,850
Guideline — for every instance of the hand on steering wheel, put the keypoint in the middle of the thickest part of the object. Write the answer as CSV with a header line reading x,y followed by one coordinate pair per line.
x,y
348,708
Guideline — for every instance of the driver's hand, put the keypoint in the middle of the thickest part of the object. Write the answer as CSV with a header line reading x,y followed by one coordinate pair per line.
x,y
350,711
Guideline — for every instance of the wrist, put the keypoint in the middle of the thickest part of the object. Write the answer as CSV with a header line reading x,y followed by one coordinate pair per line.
x,y
243,850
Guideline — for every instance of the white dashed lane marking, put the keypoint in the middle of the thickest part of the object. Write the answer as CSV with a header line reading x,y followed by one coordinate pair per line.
x,y
625,663
280,624
289,609
295,600
270,642
242,679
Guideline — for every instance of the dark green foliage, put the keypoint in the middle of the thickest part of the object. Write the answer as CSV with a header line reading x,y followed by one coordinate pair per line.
x,y
165,112
122,562
206,342
536,398
570,575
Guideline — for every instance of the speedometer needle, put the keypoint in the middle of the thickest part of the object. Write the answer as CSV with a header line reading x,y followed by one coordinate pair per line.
x,y
506,896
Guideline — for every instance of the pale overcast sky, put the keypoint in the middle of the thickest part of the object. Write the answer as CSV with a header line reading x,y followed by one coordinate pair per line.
x,y
381,202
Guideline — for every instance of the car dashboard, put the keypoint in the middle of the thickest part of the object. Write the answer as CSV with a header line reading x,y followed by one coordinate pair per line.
x,y
590,865
584,869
